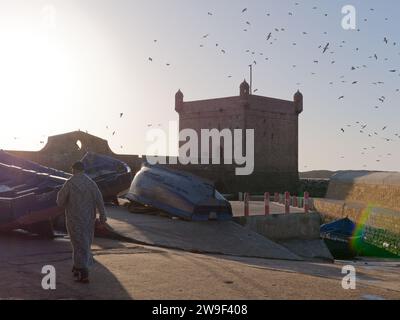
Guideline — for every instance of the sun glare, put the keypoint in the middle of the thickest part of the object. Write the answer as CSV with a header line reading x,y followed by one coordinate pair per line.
x,y
34,75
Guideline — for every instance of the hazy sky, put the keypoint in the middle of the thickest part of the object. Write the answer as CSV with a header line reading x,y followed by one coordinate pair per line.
x,y
77,64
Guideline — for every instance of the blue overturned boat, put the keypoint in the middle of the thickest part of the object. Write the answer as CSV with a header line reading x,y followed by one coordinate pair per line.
x,y
344,242
113,177
28,190
178,194
28,199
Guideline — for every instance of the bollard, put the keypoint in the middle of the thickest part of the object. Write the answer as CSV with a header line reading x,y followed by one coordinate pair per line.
x,y
306,202
266,203
276,197
246,204
295,201
287,202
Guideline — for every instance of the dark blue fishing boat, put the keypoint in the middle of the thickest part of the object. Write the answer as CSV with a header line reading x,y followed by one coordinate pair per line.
x,y
28,199
339,238
179,194
112,176
28,191
344,243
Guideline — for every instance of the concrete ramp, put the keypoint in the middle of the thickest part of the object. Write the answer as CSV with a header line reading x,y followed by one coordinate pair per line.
x,y
204,237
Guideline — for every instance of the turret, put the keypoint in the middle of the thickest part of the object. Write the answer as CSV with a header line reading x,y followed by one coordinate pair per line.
x,y
178,101
244,90
298,102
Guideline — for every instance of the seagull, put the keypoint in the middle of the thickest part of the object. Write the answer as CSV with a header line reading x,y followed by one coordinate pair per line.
x,y
244,10
326,47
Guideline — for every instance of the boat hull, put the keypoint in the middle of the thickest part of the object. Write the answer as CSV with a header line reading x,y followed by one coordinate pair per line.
x,y
178,194
112,176
28,191
343,244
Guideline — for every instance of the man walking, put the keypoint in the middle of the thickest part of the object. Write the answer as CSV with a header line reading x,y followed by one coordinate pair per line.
x,y
81,197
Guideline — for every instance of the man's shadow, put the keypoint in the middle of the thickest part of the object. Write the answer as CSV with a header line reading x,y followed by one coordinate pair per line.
x,y
24,254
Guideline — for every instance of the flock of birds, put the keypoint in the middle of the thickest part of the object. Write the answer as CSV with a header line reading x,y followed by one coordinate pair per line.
x,y
326,54
329,48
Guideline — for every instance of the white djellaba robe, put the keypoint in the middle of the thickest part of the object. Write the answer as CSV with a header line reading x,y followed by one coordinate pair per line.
x,y
80,197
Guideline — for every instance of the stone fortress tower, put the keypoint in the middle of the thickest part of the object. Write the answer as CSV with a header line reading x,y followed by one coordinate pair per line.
x,y
275,124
